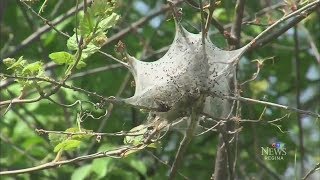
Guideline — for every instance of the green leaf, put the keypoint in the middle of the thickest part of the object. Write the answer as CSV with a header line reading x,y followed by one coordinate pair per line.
x,y
139,166
136,140
18,64
101,166
89,50
9,61
258,87
72,43
87,23
100,39
81,173
154,145
69,144
102,7
81,64
33,68
109,22
79,136
62,57
106,147
57,138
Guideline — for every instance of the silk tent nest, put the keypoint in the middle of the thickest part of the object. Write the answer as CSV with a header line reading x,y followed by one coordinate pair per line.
x,y
192,67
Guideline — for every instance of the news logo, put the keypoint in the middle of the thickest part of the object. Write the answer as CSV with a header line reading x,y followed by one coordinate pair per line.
x,y
277,151
277,145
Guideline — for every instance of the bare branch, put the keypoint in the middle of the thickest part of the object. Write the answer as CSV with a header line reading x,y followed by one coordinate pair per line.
x,y
188,136
236,27
297,16
120,133
249,100
115,153
316,168
140,23
298,104
34,36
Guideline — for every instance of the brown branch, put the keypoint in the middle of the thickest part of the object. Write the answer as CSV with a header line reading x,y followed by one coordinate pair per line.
x,y
297,16
166,164
20,101
86,132
115,153
297,82
312,43
188,136
249,100
220,166
236,27
140,23
110,99
228,149
209,18
316,168
203,26
95,70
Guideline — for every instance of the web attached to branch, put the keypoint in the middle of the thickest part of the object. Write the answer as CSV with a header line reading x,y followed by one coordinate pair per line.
x,y
171,84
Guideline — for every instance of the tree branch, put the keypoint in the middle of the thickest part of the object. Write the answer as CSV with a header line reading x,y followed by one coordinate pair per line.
x,y
298,104
236,27
299,15
116,153
140,23
36,35
316,168
249,100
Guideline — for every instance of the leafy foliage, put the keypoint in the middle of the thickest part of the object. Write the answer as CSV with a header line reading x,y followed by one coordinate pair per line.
x,y
275,83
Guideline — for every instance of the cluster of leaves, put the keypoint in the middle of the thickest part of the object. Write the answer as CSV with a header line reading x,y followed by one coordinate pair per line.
x,y
142,133
93,26
22,68
66,142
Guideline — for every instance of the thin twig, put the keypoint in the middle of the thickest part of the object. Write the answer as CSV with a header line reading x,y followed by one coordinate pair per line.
x,y
166,164
17,148
34,36
203,25
316,168
265,167
188,136
120,133
209,18
299,15
110,109
311,42
95,70
244,99
140,23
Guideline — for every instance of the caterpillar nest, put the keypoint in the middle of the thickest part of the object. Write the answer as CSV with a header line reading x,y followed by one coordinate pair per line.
x,y
170,85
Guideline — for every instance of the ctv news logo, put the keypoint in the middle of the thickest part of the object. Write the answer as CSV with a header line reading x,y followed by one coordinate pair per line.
x,y
276,151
